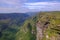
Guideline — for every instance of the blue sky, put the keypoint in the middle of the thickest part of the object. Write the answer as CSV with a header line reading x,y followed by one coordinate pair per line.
x,y
22,6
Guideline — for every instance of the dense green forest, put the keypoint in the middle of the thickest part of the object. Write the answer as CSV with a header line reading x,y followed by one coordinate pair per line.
x,y
43,26
10,24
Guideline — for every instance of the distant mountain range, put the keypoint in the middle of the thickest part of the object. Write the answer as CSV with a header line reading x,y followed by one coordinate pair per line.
x,y
19,17
13,15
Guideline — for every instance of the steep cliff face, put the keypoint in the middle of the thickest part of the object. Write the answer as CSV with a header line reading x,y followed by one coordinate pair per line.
x,y
39,28
48,26
49,22
44,26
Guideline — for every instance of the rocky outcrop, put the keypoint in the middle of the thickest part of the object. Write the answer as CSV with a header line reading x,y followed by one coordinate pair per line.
x,y
41,29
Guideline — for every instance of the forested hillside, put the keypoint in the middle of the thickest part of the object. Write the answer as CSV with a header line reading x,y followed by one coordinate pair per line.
x,y
43,26
10,24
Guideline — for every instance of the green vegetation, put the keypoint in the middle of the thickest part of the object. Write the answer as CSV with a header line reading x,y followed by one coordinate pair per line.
x,y
10,24
28,31
49,22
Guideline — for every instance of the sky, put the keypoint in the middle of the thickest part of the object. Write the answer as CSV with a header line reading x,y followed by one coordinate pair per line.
x,y
23,6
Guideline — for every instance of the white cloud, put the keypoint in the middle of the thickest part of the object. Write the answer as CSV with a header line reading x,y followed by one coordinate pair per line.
x,y
44,6
12,6
22,6
42,3
12,10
